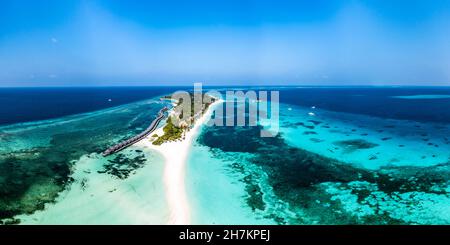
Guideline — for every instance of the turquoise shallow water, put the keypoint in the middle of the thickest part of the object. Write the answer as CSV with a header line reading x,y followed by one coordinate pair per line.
x,y
385,142
216,194
37,159
324,167
121,195
331,163
423,96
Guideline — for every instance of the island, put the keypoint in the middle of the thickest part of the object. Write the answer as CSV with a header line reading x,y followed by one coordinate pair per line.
x,y
173,141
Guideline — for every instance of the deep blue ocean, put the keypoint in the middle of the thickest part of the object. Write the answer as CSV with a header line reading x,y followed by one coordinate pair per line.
x,y
376,101
31,104
343,155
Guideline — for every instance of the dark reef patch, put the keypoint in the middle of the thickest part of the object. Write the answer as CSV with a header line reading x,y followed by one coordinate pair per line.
x,y
31,177
355,144
231,137
309,132
121,166
373,157
304,125
254,199
316,140
315,122
296,176
37,168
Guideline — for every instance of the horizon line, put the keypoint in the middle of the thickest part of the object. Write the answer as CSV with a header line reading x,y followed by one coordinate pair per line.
x,y
229,85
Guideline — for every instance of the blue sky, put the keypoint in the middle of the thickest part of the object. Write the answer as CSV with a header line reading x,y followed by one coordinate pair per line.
x,y
96,43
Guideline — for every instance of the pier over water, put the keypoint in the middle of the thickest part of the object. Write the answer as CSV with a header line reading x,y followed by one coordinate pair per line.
x,y
124,144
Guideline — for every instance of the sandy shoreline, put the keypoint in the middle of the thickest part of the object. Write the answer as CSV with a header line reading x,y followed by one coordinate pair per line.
x,y
175,155
154,194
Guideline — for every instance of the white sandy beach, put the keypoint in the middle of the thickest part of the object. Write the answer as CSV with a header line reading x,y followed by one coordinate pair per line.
x,y
154,194
175,156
